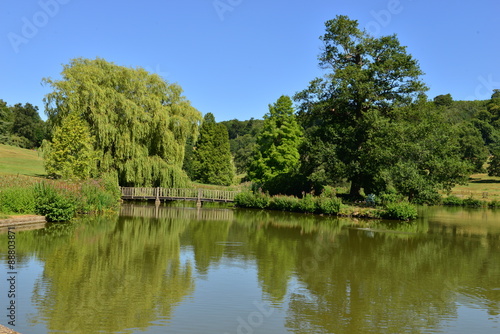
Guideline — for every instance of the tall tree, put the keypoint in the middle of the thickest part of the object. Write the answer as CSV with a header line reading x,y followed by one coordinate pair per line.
x,y
367,82
140,122
277,156
28,124
212,161
71,152
6,122
242,141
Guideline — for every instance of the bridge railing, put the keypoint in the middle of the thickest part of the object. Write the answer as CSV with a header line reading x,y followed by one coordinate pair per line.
x,y
177,193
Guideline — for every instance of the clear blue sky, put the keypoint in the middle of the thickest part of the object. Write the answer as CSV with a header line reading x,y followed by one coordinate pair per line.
x,y
234,57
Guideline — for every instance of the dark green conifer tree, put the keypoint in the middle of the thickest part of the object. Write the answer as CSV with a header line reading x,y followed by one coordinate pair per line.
x,y
212,161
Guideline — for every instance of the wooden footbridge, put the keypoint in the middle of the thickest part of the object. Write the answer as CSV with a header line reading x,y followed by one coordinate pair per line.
x,y
175,194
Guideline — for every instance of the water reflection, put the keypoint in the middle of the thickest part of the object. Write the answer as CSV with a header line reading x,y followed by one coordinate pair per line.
x,y
131,272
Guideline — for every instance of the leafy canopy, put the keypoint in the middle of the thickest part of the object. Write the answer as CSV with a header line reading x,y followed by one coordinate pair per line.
x,y
362,109
71,153
139,121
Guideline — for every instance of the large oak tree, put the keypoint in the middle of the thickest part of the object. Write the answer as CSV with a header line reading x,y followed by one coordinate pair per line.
x,y
361,111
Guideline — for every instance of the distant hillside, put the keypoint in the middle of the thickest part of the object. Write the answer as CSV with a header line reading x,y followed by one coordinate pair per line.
x,y
15,160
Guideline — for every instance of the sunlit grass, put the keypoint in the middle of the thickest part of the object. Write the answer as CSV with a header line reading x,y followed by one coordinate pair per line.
x,y
15,160
481,186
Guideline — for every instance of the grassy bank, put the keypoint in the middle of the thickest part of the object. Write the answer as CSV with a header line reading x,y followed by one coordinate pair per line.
x,y
56,200
481,187
327,203
20,161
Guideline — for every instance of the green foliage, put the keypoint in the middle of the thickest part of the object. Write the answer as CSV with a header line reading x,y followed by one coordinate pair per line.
x,y
400,211
28,124
249,199
140,122
388,198
98,195
212,161
6,122
21,125
58,200
308,204
494,204
242,140
443,100
494,165
472,202
277,157
329,205
71,153
329,192
54,205
284,203
452,201
17,200
369,81
472,146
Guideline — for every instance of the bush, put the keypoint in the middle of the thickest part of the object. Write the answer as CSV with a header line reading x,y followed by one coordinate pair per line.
x,y
429,197
284,203
471,202
400,210
54,205
494,204
388,198
308,204
453,201
17,200
98,195
329,206
248,199
329,192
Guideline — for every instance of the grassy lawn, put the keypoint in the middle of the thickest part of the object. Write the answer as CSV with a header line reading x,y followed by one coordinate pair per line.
x,y
481,186
15,160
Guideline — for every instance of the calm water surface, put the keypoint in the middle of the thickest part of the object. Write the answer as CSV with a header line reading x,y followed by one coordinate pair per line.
x,y
218,270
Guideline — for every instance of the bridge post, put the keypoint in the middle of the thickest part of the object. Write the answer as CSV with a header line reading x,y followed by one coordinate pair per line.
x,y
157,201
198,201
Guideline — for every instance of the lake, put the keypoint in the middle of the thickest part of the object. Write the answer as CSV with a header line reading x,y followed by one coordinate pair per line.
x,y
179,269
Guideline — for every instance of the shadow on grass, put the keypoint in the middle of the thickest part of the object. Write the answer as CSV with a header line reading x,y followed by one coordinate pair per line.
x,y
483,181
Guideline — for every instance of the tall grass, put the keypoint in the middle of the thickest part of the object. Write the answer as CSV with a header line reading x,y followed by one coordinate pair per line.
x,y
57,200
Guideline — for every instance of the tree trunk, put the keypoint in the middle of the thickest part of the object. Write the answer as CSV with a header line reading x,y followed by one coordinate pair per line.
x,y
355,188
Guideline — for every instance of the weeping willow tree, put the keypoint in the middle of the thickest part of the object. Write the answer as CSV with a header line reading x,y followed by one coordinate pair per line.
x,y
139,121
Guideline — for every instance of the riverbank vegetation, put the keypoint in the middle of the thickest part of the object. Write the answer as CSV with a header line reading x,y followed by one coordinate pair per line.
x,y
365,126
55,199
328,204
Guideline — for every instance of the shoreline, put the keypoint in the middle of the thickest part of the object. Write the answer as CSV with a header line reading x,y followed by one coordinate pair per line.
x,y
6,330
22,222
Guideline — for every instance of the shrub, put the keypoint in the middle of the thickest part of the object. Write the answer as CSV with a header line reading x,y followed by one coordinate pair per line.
x,y
308,204
387,198
284,203
96,195
494,204
55,205
329,206
429,197
17,200
471,202
248,199
328,192
370,199
400,210
453,201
